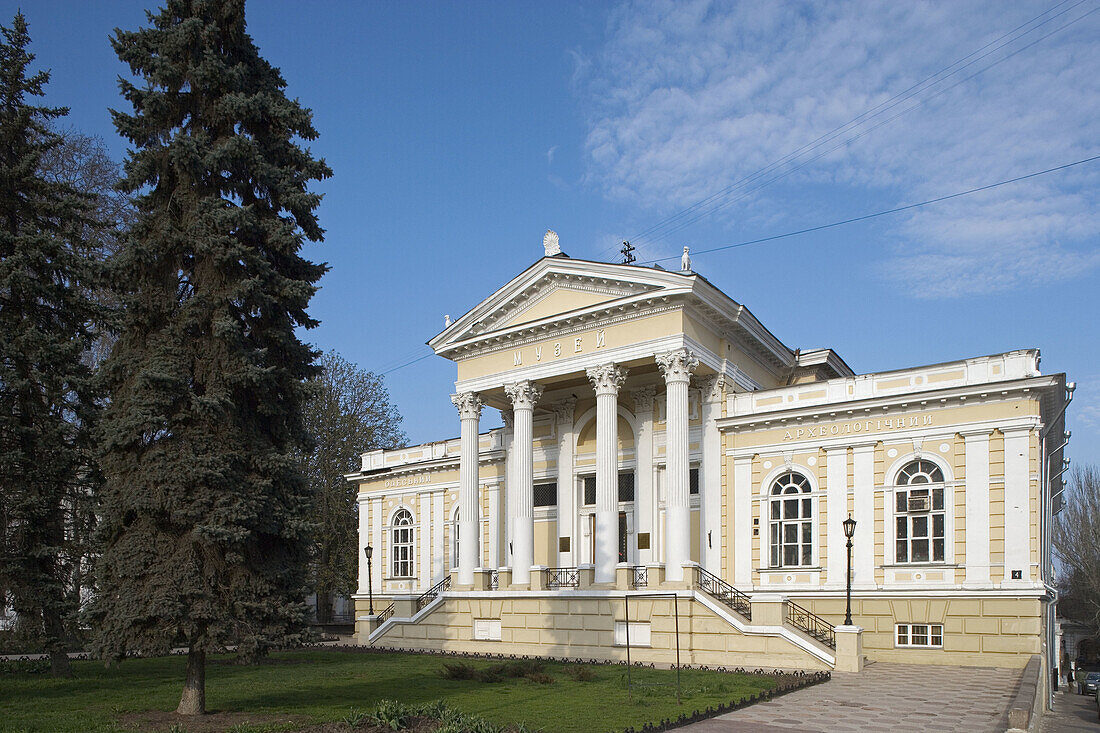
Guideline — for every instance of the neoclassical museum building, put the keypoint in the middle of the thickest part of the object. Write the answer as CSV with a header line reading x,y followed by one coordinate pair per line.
x,y
672,478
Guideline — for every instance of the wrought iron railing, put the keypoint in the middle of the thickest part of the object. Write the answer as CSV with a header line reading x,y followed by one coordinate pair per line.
x,y
562,577
385,614
432,593
811,623
494,580
639,576
724,592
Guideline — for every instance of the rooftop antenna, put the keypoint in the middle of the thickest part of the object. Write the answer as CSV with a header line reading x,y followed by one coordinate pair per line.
x,y
628,253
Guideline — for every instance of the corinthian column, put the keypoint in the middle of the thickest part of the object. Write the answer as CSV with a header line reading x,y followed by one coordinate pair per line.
x,y
524,395
469,412
677,367
607,379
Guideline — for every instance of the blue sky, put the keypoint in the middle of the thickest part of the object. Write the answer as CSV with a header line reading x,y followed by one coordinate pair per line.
x,y
460,132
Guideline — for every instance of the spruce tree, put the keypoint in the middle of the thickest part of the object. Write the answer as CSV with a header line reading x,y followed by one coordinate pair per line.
x,y
204,512
46,406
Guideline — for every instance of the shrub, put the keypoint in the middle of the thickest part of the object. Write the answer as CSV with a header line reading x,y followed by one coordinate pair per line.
x,y
581,673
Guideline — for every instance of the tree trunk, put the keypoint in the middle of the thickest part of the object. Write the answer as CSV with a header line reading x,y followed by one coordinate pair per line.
x,y
55,641
193,701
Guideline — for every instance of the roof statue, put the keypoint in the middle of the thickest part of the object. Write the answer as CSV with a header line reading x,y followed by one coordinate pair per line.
x,y
447,320
550,243
685,261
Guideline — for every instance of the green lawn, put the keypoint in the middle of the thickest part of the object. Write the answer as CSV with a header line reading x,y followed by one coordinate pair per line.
x,y
325,686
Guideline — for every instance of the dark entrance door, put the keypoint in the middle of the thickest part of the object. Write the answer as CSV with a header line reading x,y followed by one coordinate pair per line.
x,y
622,537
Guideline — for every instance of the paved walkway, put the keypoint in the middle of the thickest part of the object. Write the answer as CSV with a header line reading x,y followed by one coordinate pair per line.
x,y
1072,713
884,697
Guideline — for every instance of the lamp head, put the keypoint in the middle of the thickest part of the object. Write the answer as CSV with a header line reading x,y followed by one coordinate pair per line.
x,y
849,527
368,550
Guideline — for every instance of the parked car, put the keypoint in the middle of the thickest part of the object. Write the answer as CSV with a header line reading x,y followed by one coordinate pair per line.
x,y
1098,701
1088,683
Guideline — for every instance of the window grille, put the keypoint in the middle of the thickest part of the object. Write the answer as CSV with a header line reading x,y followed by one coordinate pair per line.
x,y
589,490
919,514
791,519
546,494
402,545
626,486
693,481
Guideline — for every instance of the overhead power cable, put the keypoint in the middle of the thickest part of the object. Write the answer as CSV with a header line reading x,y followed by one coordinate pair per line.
x,y
884,106
876,214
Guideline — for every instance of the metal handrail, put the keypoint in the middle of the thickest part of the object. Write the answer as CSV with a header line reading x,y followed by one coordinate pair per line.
x,y
811,623
384,614
562,578
432,593
639,576
724,592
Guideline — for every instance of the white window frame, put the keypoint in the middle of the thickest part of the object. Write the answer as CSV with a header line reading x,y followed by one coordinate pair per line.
x,y
948,513
640,633
486,629
905,636
402,553
454,538
770,499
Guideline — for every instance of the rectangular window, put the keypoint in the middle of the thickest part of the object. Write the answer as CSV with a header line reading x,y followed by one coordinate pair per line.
x,y
487,629
928,636
639,633
693,481
546,494
589,490
626,486
919,526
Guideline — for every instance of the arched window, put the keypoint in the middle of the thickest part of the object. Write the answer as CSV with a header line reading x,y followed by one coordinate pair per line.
x,y
401,549
791,515
454,540
919,514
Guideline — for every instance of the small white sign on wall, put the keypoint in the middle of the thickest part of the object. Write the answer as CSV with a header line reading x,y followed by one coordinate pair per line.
x,y
639,633
487,629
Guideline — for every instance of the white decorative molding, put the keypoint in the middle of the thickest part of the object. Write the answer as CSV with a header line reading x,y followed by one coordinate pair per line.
x,y
550,244
678,365
606,378
524,395
468,404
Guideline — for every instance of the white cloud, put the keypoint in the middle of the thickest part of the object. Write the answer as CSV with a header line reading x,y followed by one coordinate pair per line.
x,y
687,98
550,154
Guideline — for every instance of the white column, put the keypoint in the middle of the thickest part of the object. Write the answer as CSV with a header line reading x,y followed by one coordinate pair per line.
x,y
424,516
524,395
364,540
977,508
439,567
677,367
469,412
567,510
742,523
380,557
863,488
492,539
509,482
710,474
607,379
836,494
1017,504
645,499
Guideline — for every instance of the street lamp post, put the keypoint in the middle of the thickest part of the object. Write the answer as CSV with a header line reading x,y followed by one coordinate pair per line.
x,y
849,531
368,551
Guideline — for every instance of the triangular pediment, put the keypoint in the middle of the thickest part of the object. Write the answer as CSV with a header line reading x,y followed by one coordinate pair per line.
x,y
557,288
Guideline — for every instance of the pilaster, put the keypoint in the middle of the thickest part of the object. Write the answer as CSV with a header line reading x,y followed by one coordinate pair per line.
x,y
863,490
1017,505
977,508
645,504
567,510
710,474
836,496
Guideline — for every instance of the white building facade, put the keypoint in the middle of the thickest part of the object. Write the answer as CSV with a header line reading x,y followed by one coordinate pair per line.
x,y
664,455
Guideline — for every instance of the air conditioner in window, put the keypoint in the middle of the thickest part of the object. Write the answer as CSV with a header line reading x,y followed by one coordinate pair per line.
x,y
919,504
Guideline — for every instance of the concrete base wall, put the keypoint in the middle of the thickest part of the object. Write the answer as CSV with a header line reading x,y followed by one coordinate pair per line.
x,y
1002,632
568,627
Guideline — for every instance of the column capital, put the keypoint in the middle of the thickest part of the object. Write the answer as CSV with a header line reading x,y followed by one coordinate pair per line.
x,y
564,409
712,387
678,365
643,398
468,404
607,378
524,395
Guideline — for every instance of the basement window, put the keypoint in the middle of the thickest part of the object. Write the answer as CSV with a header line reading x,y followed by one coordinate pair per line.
x,y
928,636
